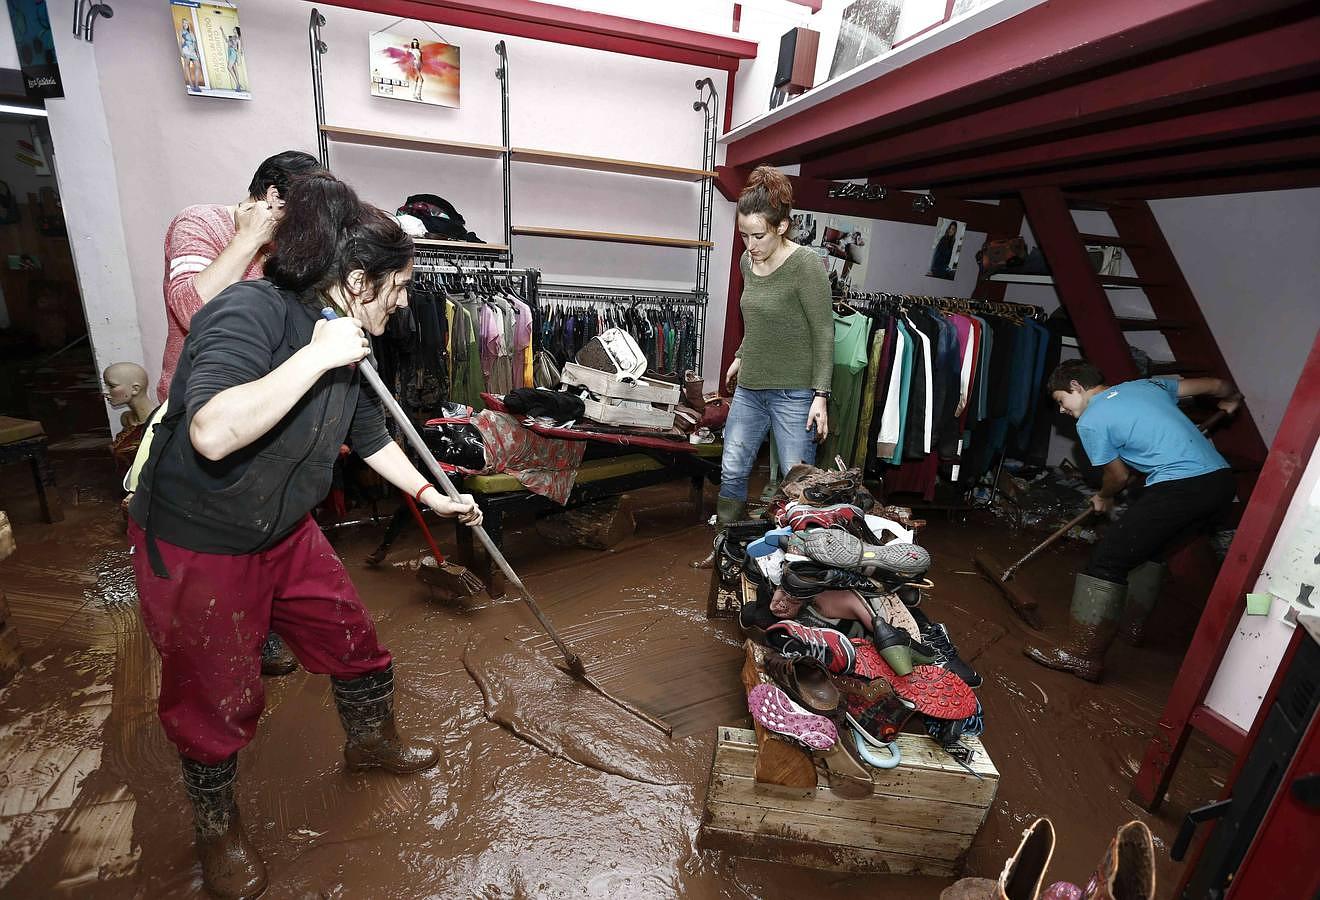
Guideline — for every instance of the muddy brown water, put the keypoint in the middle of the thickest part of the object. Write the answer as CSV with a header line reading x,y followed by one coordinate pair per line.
x,y
544,789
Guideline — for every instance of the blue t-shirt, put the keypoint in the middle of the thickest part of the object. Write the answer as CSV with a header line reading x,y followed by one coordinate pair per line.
x,y
1140,423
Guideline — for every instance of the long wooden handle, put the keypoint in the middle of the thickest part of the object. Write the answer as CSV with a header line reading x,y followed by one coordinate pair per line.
x,y
1031,554
571,659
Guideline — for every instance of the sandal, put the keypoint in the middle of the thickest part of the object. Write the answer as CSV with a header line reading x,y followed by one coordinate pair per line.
x,y
805,680
838,549
867,750
936,692
774,711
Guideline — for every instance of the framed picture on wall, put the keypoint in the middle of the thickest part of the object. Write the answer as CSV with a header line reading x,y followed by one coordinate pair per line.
x,y
867,30
406,67
840,243
944,250
210,48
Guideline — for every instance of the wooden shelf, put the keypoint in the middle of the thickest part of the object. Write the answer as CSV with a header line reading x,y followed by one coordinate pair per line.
x,y
609,237
461,245
410,142
1114,282
1151,325
605,164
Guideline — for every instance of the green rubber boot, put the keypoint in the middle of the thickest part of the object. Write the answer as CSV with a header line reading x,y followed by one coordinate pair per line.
x,y
1144,585
728,511
1092,624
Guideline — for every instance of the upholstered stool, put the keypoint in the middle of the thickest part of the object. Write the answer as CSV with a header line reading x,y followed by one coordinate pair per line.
x,y
24,439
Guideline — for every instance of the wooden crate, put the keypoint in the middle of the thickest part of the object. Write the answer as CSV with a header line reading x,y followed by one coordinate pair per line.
x,y
921,819
643,390
11,653
765,800
626,412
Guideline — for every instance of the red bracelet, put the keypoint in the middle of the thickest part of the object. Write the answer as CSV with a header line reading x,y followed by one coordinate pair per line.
x,y
418,496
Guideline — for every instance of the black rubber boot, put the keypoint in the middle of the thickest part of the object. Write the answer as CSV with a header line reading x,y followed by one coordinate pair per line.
x,y
728,511
231,866
276,658
366,710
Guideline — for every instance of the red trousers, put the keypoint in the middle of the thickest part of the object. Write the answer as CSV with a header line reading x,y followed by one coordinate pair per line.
x,y
209,619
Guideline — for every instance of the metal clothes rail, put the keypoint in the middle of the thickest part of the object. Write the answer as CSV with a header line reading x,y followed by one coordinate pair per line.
x,y
650,298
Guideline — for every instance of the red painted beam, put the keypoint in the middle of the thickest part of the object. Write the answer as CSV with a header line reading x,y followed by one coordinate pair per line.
x,y
1274,56
1102,342
1043,44
1293,444
1247,119
1290,151
574,27
1287,179
1218,729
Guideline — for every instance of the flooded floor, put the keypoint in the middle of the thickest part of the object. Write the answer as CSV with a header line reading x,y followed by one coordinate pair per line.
x,y
588,801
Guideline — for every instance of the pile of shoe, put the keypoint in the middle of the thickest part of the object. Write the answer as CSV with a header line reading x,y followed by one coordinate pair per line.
x,y
852,655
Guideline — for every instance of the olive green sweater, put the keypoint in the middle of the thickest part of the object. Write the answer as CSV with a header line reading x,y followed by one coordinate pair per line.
x,y
788,331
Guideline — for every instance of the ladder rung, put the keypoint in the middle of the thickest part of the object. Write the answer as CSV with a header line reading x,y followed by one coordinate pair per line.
x,y
1151,325
1106,240
1173,367
1125,281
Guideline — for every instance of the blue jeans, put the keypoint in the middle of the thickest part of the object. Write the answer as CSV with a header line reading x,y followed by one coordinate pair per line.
x,y
751,416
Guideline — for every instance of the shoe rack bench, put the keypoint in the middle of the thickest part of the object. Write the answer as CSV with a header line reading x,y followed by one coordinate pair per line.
x,y
765,801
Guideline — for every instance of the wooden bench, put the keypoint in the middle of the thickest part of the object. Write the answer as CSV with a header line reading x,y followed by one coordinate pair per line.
x,y
502,495
24,439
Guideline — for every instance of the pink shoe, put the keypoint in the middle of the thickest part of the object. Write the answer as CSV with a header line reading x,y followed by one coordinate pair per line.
x,y
774,711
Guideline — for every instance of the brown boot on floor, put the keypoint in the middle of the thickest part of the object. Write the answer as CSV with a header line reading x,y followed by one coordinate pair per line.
x,y
276,658
366,710
1127,870
232,869
1092,624
1023,874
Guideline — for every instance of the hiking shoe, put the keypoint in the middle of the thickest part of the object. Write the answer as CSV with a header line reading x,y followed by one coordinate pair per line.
x,y
838,549
825,645
801,516
805,580
936,636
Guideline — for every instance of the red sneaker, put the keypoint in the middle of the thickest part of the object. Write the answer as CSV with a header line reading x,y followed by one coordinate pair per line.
x,y
800,516
825,645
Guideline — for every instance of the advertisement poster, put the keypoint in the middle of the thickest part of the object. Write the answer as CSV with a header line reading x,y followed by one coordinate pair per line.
x,y
210,47
839,241
36,49
406,67
944,251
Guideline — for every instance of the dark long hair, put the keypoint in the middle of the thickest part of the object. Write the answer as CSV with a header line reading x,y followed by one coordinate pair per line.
x,y
768,193
327,232
279,169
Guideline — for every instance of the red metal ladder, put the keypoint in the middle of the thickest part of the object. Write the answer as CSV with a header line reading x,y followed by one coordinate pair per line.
x,y
1102,337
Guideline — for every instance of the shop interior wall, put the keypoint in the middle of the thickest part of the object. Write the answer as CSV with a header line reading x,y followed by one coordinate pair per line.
x,y
172,149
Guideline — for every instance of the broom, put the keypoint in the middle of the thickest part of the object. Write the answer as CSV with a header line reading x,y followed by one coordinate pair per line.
x,y
572,664
451,580
1023,603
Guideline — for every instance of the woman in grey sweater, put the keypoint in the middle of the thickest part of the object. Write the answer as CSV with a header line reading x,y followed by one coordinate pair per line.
x,y
781,373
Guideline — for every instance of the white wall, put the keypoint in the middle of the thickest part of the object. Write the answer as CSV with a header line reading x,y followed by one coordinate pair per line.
x,y
170,149
1259,642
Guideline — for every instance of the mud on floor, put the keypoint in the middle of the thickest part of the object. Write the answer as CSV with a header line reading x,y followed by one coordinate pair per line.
x,y
595,804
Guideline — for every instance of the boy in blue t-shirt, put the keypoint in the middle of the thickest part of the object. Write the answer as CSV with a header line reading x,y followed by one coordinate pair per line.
x,y
1135,426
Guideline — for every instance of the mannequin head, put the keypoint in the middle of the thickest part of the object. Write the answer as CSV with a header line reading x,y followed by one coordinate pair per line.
x,y
123,382
126,386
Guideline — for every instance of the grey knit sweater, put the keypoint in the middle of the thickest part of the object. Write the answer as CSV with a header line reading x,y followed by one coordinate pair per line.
x,y
788,331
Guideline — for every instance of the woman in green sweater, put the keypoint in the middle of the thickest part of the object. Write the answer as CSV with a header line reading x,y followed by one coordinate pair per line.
x,y
781,372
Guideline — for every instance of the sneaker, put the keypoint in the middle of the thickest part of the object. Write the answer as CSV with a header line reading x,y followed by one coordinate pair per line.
x,y
838,549
805,580
936,637
825,645
801,516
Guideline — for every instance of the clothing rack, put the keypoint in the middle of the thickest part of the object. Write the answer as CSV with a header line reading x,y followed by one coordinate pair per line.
x,y
561,295
946,304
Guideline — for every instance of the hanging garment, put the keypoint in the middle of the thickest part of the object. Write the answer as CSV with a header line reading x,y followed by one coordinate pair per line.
x,y
920,400
903,386
869,385
851,333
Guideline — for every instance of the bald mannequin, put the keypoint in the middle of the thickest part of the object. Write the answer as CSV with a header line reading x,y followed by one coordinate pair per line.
x,y
126,386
